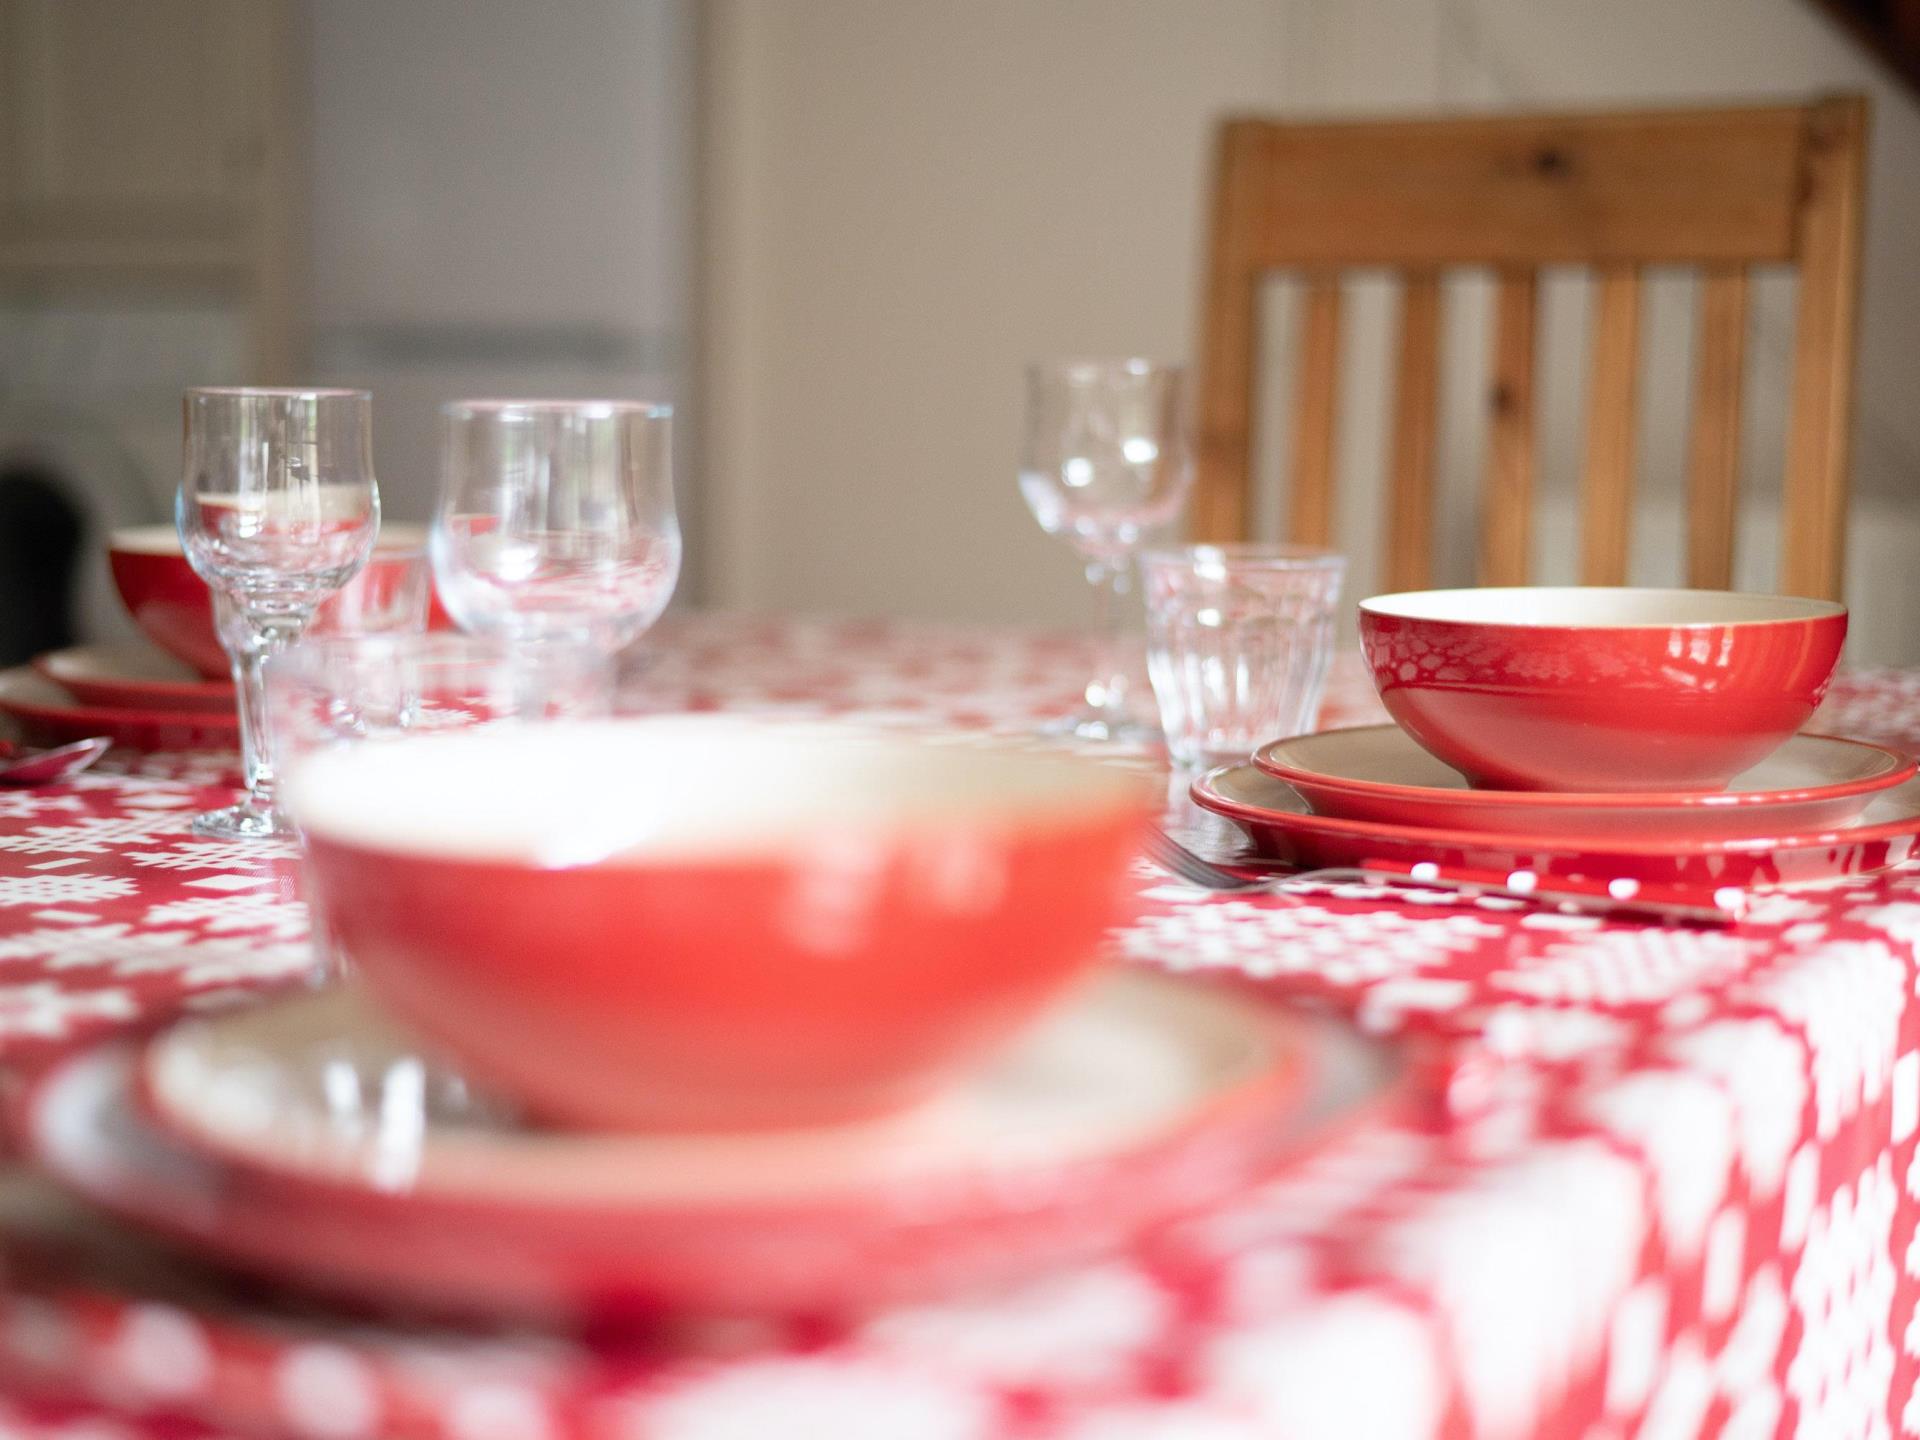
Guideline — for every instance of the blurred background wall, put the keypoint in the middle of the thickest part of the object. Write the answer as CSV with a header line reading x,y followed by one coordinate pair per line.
x,y
908,199
834,231
502,205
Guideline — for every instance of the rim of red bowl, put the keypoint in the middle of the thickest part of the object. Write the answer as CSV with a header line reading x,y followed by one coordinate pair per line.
x,y
162,539
1900,769
401,810
1789,609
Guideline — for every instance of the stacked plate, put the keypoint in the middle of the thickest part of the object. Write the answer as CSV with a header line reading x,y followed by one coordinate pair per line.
x,y
1818,808
175,694
1599,728
307,1142
131,694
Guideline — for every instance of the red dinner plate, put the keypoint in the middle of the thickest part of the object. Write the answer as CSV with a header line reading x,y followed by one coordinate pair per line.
x,y
306,1142
51,716
1379,773
1277,819
133,677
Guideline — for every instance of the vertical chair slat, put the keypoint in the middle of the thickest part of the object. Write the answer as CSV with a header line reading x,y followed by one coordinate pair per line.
x,y
1506,519
1416,398
1229,344
1713,437
1310,482
1814,499
1607,485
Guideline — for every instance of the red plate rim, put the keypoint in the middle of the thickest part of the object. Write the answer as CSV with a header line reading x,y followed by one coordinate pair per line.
x,y
1205,794
1261,1095
1265,1138
936,1195
105,717
1901,767
186,689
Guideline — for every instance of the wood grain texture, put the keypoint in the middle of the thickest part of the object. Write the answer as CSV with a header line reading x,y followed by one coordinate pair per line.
x,y
1713,433
1613,383
1229,351
1315,415
1506,504
1719,190
1416,406
1819,438
1673,187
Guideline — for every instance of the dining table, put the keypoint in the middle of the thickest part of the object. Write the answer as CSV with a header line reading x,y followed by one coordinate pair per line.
x,y
1656,1180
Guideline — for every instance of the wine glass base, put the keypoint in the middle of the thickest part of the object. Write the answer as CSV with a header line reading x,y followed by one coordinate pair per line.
x,y
1101,728
242,822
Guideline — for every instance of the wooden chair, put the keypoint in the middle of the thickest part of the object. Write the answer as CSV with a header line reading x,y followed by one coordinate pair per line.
x,y
1718,189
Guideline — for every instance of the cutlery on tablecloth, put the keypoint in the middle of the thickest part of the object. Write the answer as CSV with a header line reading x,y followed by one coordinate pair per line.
x,y
1623,897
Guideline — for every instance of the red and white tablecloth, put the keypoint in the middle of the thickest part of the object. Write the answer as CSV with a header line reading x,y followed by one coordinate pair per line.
x,y
1671,1189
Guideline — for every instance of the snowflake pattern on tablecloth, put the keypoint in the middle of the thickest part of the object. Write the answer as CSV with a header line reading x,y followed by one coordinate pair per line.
x,y
823,1399
62,888
1266,938
45,1010
217,855
1847,996
1087,1329
1763,1069
36,804
1843,1291
1527,1258
1656,1173
1642,965
258,911
95,835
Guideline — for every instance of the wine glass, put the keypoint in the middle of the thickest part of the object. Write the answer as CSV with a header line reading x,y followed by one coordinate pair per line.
x,y
556,519
1106,459
277,510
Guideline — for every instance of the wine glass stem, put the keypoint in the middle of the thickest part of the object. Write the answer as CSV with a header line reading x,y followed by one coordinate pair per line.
x,y
263,640
1112,581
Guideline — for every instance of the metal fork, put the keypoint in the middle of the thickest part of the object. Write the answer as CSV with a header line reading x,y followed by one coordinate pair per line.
x,y
1573,895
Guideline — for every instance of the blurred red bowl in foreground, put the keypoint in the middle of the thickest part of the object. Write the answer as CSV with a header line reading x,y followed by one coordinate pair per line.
x,y
174,609
711,923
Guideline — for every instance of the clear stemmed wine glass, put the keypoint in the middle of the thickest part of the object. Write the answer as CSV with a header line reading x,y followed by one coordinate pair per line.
x,y
1106,459
556,519
277,510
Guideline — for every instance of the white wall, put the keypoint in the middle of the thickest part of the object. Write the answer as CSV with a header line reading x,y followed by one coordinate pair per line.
x,y
908,199
502,204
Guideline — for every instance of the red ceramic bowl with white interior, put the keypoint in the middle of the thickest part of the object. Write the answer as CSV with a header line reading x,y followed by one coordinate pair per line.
x,y
1600,689
174,609
709,923
169,603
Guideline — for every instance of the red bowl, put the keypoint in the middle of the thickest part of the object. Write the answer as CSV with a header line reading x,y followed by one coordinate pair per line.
x,y
169,603
1600,689
174,609
708,923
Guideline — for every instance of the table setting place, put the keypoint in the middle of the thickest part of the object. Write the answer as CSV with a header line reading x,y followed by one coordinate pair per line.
x,y
437,1001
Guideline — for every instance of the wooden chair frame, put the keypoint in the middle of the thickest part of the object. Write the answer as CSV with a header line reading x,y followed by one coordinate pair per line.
x,y
1720,190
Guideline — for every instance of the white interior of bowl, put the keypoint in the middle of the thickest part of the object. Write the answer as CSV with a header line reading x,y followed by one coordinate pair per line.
x,y
572,793
145,540
1597,606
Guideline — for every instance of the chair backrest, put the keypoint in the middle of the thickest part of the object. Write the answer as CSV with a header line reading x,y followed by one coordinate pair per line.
x,y
1720,190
